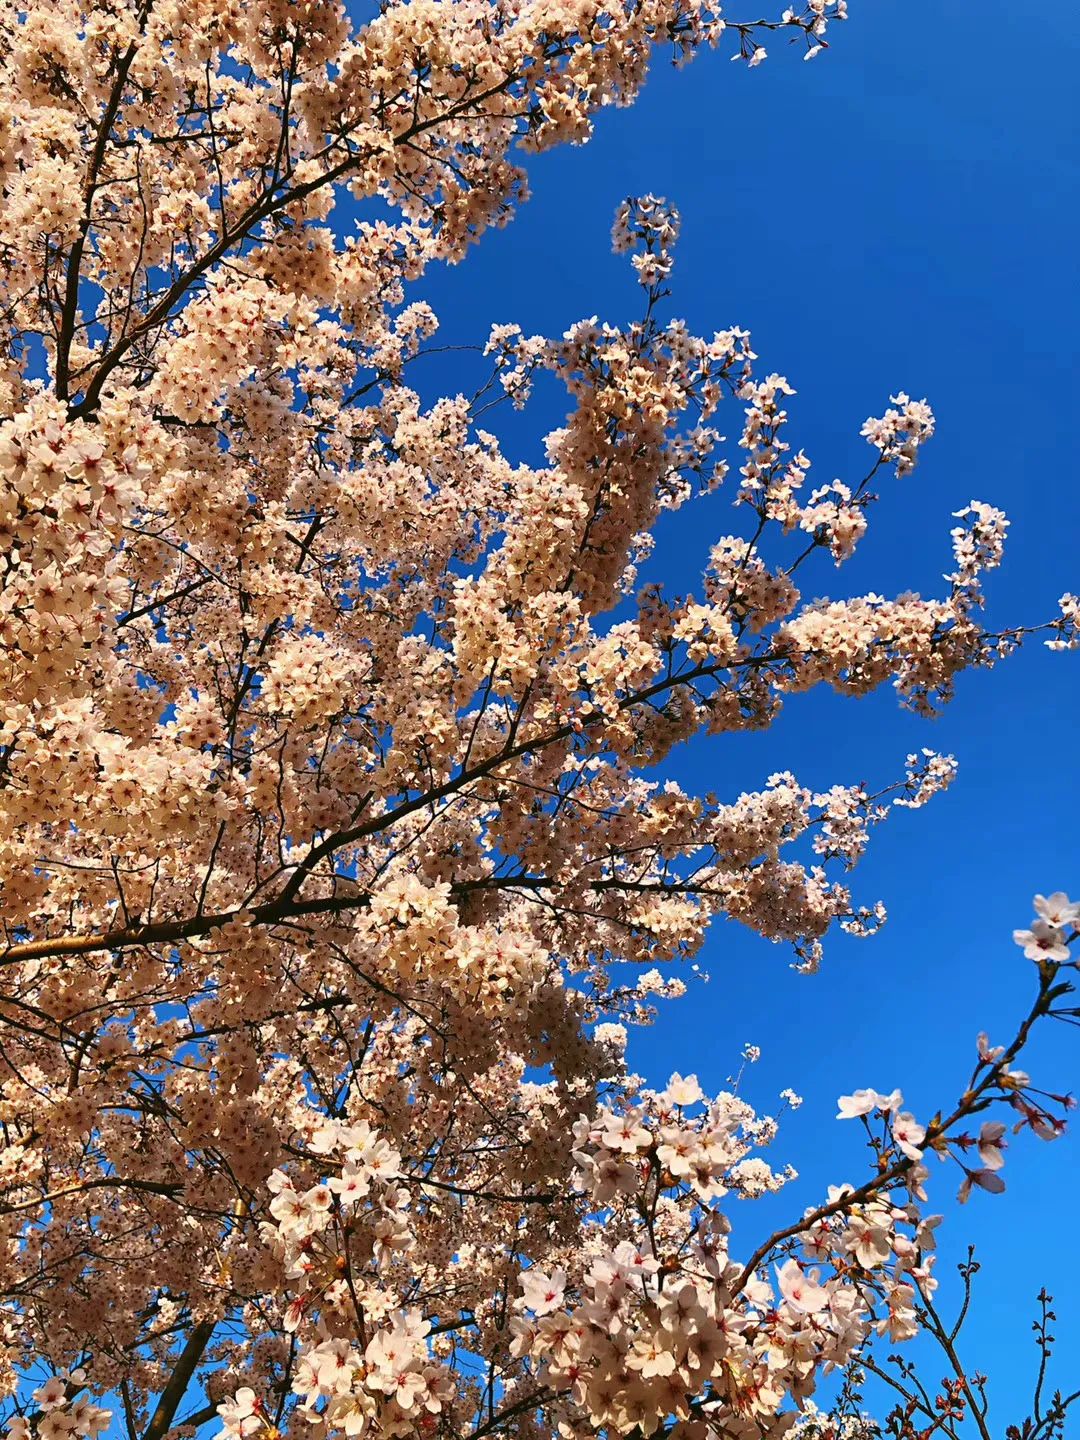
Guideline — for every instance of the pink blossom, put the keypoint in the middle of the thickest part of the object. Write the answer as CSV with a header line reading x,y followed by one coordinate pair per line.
x,y
801,1291
543,1293
1042,942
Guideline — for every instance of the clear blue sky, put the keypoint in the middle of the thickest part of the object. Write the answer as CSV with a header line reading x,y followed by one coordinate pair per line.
x,y
899,213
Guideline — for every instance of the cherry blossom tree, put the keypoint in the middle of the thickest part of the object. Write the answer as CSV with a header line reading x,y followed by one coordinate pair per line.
x,y
331,769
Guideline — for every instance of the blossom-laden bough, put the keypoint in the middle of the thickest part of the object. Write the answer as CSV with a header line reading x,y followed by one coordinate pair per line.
x,y
324,739
467,1276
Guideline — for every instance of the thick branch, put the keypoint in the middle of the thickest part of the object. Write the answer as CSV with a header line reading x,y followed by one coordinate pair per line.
x,y
174,1391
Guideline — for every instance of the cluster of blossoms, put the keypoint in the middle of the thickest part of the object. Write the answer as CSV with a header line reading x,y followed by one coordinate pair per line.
x,y
816,1424
666,1326
368,1173
651,224
899,433
834,515
632,1313
928,773
326,1238
65,494
1067,635
1057,920
61,1411
616,1150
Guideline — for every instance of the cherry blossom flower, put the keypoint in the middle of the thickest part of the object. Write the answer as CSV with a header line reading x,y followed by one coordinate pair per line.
x,y
53,1393
1042,942
801,1291
239,1416
909,1135
1057,910
991,1144
543,1293
684,1092
861,1102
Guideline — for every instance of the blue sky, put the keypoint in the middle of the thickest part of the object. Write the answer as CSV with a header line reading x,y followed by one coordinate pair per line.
x,y
899,213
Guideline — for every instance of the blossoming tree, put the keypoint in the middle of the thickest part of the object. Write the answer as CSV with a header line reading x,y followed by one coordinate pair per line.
x,y
328,752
